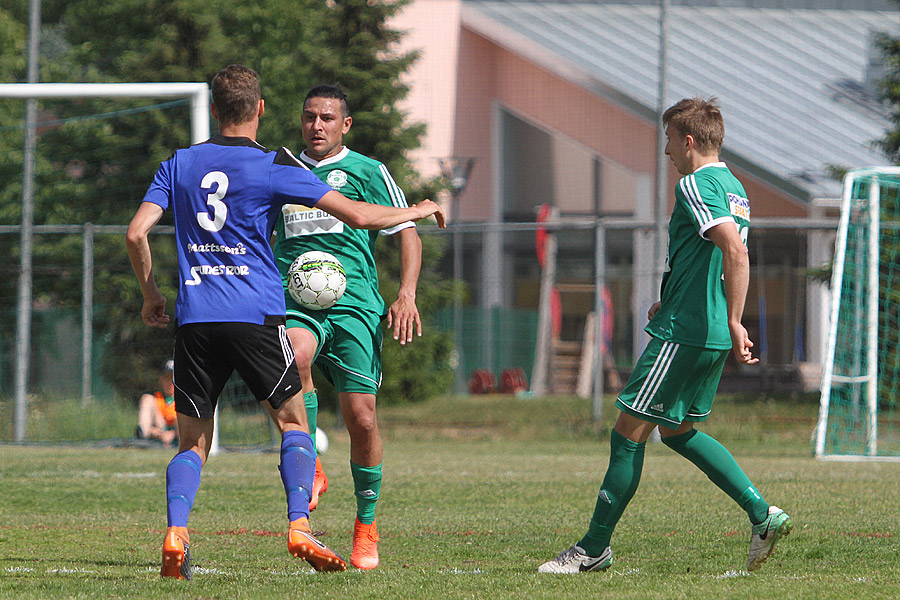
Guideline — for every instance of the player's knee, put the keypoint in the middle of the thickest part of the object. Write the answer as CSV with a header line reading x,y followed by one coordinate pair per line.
x,y
303,359
677,442
305,345
362,423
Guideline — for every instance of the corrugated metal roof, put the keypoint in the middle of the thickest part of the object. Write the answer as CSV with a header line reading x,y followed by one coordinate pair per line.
x,y
790,82
811,4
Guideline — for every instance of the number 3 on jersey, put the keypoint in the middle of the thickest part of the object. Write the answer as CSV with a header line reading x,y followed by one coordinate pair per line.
x,y
217,208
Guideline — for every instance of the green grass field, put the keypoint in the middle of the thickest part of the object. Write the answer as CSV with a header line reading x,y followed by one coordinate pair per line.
x,y
477,493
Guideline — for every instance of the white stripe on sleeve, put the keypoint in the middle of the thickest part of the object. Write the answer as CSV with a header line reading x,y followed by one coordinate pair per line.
x,y
398,198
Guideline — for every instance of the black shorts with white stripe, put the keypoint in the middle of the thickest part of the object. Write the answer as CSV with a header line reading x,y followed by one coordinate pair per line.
x,y
206,354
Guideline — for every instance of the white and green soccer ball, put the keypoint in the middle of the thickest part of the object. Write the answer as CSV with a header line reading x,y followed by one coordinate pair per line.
x,y
316,280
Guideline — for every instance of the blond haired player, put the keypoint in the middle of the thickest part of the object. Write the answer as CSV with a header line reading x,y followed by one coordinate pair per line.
x,y
693,327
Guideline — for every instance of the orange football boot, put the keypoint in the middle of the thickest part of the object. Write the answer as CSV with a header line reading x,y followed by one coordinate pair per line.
x,y
365,545
176,554
320,485
303,544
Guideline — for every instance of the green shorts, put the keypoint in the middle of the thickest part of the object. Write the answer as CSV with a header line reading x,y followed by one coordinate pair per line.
x,y
349,345
672,383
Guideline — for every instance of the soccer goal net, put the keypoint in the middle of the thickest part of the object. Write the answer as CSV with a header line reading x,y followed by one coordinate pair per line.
x,y
858,416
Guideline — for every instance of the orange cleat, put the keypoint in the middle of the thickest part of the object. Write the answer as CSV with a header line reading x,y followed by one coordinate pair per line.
x,y
365,546
303,544
320,485
176,554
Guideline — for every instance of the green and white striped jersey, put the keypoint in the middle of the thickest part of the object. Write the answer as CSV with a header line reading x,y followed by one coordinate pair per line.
x,y
693,309
301,229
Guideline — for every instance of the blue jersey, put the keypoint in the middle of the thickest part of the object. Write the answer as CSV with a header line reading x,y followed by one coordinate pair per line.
x,y
226,194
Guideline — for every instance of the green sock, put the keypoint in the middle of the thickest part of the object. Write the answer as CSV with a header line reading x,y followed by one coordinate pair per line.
x,y
367,486
626,460
719,465
311,401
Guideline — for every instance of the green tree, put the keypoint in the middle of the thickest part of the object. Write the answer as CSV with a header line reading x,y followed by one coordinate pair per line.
x,y
419,370
890,92
358,51
889,361
96,170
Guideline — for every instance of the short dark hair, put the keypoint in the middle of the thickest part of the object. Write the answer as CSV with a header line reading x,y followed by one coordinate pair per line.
x,y
332,90
700,119
236,94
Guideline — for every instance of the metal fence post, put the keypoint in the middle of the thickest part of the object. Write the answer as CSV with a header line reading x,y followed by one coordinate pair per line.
x,y
599,314
87,311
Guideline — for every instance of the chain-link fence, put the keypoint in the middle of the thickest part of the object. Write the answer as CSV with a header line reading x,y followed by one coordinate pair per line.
x,y
524,324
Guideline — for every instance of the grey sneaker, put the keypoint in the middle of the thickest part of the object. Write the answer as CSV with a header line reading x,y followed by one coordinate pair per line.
x,y
763,536
574,560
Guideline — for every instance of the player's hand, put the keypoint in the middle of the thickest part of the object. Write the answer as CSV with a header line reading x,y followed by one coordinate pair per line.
x,y
429,208
653,310
741,344
403,317
153,312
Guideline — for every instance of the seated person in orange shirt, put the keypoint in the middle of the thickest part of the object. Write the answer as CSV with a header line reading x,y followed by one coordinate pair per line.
x,y
156,414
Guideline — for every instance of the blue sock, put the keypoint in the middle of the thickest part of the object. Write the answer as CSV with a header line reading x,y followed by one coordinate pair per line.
x,y
182,482
298,467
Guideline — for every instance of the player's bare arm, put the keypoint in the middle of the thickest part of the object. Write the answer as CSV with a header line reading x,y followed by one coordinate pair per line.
x,y
363,215
736,270
136,240
403,314
654,308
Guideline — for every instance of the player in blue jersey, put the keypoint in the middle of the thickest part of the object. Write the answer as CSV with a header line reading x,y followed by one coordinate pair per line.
x,y
692,328
225,194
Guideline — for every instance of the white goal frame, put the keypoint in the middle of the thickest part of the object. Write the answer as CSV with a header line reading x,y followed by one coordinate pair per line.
x,y
871,311
197,92
199,95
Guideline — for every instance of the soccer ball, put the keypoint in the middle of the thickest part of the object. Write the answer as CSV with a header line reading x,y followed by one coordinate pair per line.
x,y
316,280
321,441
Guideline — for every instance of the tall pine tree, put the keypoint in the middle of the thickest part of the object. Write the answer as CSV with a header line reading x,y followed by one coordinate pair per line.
x,y
96,170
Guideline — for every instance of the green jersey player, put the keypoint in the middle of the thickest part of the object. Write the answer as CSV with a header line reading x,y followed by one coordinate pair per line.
x,y
345,340
692,328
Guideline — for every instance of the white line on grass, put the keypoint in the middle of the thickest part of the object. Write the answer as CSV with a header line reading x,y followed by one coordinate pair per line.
x,y
458,571
733,573
64,570
626,573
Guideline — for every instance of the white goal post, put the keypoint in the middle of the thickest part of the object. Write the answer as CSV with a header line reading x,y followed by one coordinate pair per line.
x,y
865,210
199,95
197,92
